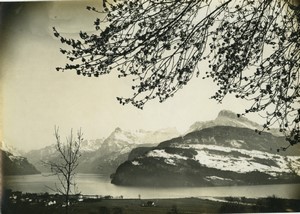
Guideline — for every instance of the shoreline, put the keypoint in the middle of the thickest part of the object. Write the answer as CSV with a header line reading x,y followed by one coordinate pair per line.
x,y
287,191
47,204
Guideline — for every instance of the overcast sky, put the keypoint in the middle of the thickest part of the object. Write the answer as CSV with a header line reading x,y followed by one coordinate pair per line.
x,y
36,97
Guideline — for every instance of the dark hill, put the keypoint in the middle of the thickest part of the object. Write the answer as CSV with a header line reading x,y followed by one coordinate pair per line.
x,y
16,165
220,155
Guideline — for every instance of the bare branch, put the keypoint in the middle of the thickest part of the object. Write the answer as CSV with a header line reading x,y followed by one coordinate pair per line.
x,y
252,48
64,166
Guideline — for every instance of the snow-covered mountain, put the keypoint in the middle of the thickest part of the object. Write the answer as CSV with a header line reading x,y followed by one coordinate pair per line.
x,y
116,147
123,140
13,162
49,153
104,155
91,145
8,148
218,155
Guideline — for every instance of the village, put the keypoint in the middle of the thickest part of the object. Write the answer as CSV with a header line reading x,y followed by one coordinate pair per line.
x,y
47,199
20,202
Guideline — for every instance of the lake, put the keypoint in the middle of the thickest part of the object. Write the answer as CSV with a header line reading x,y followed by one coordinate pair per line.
x,y
96,184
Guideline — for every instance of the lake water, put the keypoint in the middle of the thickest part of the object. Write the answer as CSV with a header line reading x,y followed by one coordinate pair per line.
x,y
95,184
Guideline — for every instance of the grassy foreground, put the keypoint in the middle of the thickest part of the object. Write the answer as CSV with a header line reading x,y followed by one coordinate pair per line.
x,y
166,206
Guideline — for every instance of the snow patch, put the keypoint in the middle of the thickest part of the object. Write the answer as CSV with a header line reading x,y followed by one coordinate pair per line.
x,y
237,143
252,161
168,158
16,158
136,163
161,153
8,148
217,178
170,162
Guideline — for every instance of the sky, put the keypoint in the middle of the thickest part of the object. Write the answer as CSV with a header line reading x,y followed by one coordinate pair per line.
x,y
36,98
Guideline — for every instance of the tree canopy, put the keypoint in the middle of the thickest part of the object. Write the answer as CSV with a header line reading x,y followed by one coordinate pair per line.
x,y
251,46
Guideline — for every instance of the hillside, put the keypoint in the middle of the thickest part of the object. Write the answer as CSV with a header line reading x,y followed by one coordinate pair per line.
x,y
236,137
13,163
16,165
139,151
219,155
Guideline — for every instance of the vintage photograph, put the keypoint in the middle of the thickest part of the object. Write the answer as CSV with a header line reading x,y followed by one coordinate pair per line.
x,y
150,106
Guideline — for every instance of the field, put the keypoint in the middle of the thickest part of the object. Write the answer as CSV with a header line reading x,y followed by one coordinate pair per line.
x,y
157,206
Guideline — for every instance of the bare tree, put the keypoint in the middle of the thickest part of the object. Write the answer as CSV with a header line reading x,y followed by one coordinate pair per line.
x,y
66,163
251,46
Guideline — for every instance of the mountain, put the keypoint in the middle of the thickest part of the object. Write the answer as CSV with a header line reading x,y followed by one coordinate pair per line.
x,y
91,145
218,155
8,148
105,155
13,163
123,140
49,153
117,146
236,137
229,118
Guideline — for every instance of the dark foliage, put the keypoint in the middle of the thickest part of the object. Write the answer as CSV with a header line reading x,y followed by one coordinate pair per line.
x,y
136,152
104,210
183,152
232,208
174,210
252,48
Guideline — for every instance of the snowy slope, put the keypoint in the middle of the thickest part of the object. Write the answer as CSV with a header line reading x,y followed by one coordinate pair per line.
x,y
13,163
219,155
232,159
91,145
8,148
124,141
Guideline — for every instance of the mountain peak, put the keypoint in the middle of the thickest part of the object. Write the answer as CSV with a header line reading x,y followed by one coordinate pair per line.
x,y
240,121
227,113
118,129
226,118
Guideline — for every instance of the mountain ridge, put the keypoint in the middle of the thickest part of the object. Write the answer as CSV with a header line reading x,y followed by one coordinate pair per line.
x,y
229,118
105,154
219,155
9,148
13,163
